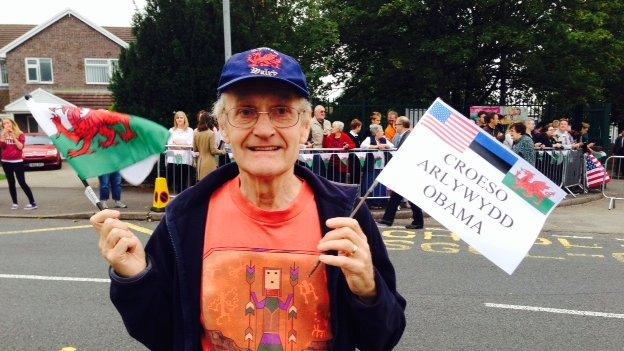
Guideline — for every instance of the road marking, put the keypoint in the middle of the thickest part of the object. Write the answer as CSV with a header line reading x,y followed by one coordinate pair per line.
x,y
140,229
556,310
40,230
43,277
573,236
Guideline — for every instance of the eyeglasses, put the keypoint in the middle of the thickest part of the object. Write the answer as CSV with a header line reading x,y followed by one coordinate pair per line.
x,y
247,117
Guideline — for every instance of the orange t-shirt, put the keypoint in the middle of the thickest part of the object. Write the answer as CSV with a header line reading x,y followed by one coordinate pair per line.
x,y
256,293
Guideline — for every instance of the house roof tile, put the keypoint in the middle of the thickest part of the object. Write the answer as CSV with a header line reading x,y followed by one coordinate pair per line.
x,y
87,99
10,32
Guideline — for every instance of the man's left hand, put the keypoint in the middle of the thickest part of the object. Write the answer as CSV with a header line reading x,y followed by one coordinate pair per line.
x,y
354,256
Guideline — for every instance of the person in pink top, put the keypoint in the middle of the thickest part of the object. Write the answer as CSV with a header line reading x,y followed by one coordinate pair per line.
x,y
11,145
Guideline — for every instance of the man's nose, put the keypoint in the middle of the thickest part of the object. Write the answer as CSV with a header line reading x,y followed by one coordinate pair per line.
x,y
263,127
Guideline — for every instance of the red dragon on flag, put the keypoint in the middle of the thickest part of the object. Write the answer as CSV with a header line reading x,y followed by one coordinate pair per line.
x,y
86,124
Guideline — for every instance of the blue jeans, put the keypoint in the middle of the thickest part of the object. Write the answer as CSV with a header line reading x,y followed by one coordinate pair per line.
x,y
115,182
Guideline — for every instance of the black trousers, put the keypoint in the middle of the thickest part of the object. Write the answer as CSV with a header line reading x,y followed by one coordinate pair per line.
x,y
16,170
391,209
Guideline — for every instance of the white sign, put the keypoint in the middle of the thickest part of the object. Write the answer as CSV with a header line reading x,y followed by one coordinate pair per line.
x,y
470,183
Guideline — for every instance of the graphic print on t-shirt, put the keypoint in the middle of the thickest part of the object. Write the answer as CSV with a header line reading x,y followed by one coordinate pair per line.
x,y
258,299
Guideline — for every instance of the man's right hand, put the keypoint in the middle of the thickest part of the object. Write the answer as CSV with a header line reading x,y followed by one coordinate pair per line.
x,y
119,247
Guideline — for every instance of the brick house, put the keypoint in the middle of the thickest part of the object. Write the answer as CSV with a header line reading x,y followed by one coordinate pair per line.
x,y
68,60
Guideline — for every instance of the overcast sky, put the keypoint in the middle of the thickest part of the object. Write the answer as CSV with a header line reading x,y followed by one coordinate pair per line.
x,y
101,12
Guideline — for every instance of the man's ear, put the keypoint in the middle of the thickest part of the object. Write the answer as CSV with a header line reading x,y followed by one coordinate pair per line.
x,y
223,129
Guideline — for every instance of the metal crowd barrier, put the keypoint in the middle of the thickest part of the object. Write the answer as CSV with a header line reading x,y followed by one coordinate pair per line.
x,y
614,165
566,168
177,165
357,167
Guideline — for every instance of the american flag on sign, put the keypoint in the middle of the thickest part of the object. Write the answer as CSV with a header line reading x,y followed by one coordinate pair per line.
x,y
595,172
455,129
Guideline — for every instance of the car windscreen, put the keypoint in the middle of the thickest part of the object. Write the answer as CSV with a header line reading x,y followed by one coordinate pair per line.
x,y
38,140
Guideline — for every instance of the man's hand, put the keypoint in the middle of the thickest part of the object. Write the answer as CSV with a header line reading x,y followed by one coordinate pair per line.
x,y
119,247
354,256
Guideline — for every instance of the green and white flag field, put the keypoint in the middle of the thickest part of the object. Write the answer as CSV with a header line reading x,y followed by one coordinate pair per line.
x,y
97,142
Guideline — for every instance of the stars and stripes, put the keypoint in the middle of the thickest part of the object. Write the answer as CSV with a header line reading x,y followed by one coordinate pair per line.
x,y
595,172
453,128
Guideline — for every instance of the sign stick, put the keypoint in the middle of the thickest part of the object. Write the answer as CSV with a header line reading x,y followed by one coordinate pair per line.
x,y
357,208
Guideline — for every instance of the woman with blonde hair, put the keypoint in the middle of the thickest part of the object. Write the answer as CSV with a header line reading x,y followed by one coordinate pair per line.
x,y
205,145
180,153
11,146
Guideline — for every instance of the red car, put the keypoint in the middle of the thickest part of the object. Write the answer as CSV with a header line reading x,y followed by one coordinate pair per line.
x,y
40,153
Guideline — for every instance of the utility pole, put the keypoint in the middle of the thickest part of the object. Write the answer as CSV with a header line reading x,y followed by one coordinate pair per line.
x,y
227,38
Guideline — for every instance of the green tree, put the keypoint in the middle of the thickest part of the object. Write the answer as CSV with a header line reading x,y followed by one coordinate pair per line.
x,y
472,52
176,60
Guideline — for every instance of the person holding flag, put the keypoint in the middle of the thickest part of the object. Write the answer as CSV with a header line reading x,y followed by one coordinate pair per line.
x,y
245,233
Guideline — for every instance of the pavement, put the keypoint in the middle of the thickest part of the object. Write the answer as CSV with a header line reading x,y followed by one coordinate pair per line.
x,y
60,194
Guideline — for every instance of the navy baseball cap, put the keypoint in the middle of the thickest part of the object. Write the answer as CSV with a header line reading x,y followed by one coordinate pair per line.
x,y
263,63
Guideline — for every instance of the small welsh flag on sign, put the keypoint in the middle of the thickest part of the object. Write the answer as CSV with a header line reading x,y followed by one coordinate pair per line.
x,y
97,142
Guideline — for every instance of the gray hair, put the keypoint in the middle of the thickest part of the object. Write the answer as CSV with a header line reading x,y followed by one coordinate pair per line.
x,y
374,128
338,124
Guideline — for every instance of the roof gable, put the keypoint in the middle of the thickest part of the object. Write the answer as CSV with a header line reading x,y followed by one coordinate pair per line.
x,y
39,95
68,12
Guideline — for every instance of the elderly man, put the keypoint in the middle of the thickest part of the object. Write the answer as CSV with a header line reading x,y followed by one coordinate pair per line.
x,y
231,262
320,127
402,125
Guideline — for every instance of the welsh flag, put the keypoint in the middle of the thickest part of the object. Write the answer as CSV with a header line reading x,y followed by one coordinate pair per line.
x,y
97,142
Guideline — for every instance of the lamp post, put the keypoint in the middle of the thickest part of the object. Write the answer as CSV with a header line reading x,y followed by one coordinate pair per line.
x,y
227,38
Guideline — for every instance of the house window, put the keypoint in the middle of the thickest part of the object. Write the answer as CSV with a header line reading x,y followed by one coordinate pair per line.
x,y
39,70
4,75
99,71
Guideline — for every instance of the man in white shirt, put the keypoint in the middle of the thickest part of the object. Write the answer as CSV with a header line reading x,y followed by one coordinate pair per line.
x,y
562,135
320,127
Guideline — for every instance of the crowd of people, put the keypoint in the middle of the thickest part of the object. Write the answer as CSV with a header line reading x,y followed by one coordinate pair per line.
x,y
524,138
325,134
191,153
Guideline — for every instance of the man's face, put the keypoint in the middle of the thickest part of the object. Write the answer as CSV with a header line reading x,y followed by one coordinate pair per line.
x,y
399,127
391,118
494,121
319,113
563,126
264,150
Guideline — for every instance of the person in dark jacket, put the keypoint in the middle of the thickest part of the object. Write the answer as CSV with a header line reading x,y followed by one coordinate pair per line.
x,y
232,261
402,126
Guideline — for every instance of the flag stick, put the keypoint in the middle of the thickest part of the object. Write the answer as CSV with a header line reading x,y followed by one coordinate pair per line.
x,y
95,200
357,208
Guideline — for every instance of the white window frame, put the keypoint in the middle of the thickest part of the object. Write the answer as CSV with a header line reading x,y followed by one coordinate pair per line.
x,y
37,66
1,73
109,64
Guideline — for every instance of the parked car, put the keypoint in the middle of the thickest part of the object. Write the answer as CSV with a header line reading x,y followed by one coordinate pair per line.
x,y
40,153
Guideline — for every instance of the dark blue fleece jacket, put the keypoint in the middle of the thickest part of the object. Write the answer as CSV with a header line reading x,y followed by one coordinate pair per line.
x,y
161,306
